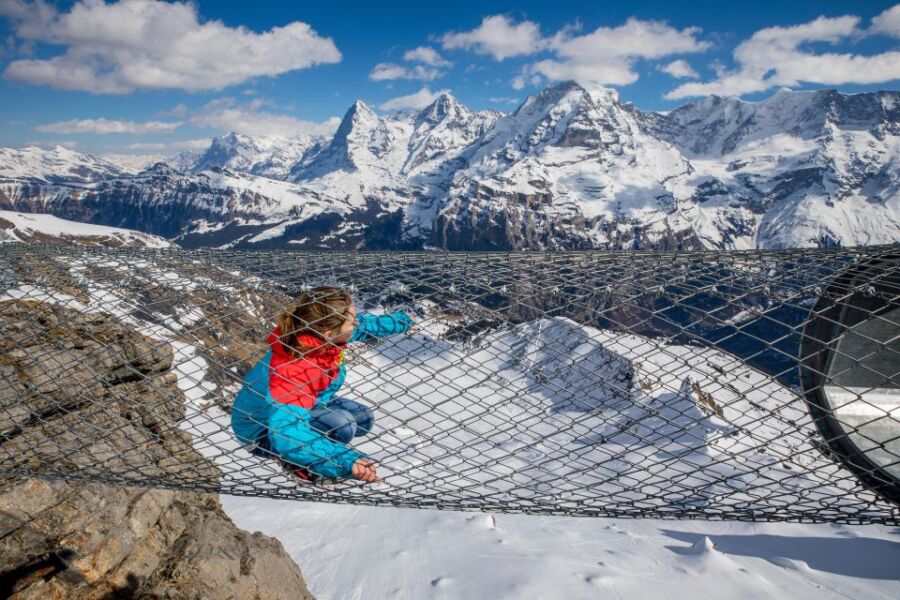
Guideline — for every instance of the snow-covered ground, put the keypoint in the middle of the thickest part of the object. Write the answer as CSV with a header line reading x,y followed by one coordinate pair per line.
x,y
361,553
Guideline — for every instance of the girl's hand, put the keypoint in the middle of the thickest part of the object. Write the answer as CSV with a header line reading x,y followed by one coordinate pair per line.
x,y
413,325
364,470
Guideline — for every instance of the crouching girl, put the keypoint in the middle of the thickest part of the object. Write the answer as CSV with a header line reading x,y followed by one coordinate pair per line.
x,y
287,406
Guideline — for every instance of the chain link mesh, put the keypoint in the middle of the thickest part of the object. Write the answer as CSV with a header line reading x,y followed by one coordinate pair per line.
x,y
754,385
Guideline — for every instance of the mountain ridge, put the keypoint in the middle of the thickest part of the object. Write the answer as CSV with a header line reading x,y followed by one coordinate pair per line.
x,y
568,168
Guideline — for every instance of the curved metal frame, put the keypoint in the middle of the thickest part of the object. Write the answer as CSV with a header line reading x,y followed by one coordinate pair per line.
x,y
824,327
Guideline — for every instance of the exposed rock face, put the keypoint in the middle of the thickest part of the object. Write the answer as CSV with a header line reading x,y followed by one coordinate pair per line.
x,y
73,540
65,539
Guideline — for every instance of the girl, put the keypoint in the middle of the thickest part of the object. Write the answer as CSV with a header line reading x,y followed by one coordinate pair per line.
x,y
287,405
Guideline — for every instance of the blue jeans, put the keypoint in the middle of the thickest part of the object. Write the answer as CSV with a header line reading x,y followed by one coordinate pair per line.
x,y
342,419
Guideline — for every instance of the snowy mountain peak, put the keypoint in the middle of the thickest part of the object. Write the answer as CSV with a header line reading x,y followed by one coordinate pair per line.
x,y
444,106
441,131
552,96
359,112
268,156
602,95
566,114
358,121
363,138
59,165
566,86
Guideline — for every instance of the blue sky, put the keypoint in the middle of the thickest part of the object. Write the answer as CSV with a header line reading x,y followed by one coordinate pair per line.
x,y
148,77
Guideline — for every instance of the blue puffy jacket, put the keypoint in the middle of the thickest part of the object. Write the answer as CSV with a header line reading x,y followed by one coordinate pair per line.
x,y
272,408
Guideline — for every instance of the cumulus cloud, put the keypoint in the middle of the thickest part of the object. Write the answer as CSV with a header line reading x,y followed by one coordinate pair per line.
x,y
679,69
609,72
887,23
226,114
604,56
635,38
427,55
497,36
123,46
428,70
388,71
417,100
607,55
103,126
776,57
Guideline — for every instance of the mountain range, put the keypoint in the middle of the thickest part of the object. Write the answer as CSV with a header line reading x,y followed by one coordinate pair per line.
x,y
570,168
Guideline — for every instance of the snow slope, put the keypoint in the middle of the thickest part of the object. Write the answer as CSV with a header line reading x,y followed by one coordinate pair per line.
x,y
26,227
59,165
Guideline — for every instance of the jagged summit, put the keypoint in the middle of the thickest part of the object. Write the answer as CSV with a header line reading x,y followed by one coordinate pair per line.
x,y
550,96
443,106
358,112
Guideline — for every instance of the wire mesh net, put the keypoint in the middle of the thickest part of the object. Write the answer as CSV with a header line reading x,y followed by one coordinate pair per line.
x,y
756,385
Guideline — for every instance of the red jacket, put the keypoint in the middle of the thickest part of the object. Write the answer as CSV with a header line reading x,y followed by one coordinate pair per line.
x,y
298,380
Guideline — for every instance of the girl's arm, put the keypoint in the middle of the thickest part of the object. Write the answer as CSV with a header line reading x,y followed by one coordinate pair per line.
x,y
296,442
374,326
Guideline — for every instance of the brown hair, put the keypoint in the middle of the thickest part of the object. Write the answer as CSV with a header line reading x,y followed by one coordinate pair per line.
x,y
317,311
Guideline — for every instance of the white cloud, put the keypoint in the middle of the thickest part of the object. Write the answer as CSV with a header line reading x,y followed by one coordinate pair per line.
x,y
887,23
427,55
610,71
504,100
773,57
195,144
103,126
428,71
388,71
225,114
635,38
419,99
606,56
51,144
679,69
497,36
120,47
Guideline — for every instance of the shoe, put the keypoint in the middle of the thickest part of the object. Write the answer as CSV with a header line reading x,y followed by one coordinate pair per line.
x,y
304,475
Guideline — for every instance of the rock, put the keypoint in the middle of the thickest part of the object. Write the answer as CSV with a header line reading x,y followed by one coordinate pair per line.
x,y
67,539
